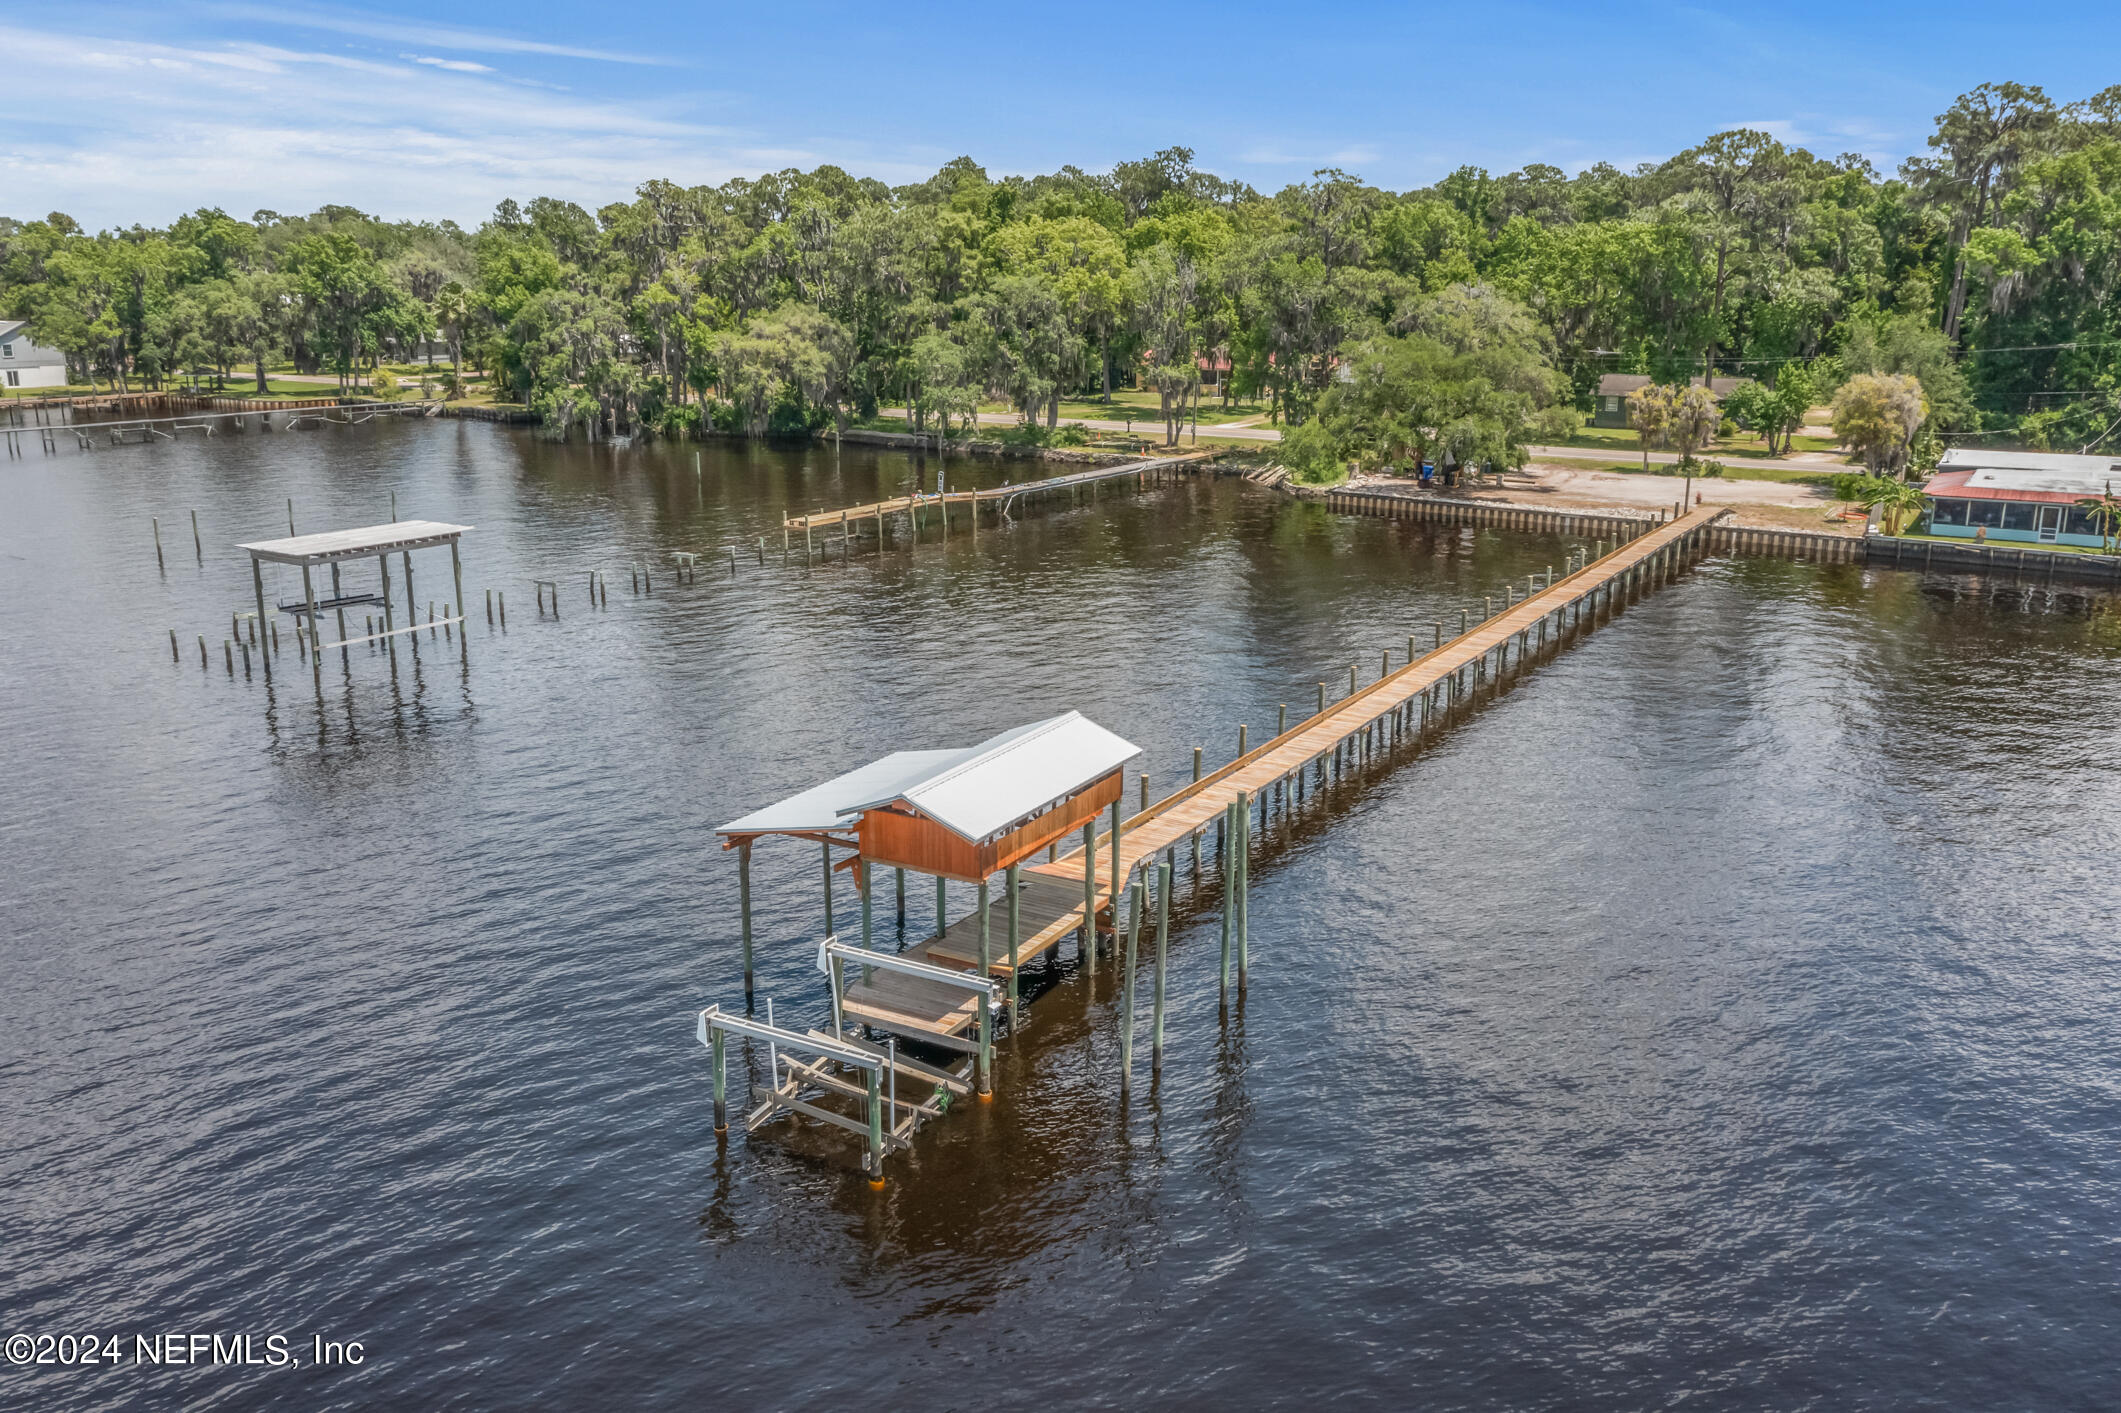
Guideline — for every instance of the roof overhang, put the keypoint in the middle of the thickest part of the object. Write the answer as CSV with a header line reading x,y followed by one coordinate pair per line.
x,y
364,542
976,793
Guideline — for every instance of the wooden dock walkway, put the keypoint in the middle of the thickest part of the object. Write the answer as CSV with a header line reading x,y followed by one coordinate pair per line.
x,y
1428,682
1052,897
853,517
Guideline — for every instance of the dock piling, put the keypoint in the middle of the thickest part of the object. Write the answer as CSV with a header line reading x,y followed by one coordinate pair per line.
x,y
1163,939
1089,952
743,894
1126,1025
155,523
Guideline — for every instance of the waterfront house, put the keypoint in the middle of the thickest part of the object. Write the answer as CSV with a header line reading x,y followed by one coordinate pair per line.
x,y
27,364
1610,407
2029,497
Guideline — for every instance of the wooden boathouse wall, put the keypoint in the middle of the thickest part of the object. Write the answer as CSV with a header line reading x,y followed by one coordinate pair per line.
x,y
911,841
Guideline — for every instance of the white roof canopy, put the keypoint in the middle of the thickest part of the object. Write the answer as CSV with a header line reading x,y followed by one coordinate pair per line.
x,y
363,543
975,792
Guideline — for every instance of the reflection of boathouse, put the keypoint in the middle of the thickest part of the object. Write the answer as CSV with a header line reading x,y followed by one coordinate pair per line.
x,y
2028,496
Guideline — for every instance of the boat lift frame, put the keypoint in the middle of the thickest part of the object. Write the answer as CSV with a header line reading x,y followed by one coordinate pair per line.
x,y
890,1121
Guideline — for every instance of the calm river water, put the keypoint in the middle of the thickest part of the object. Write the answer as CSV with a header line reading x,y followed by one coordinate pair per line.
x,y
1727,1015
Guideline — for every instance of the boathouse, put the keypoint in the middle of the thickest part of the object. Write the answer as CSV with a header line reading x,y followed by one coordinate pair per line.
x,y
2030,497
964,814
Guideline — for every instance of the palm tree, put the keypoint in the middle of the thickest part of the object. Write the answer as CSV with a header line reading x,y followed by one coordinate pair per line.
x,y
1897,501
453,310
2105,511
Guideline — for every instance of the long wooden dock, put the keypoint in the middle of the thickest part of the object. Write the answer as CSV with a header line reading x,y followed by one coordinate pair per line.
x,y
949,991
851,519
1053,899
1431,682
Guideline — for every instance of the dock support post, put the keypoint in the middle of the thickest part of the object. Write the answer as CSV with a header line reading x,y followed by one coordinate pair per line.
x,y
986,949
861,881
337,592
902,899
1163,941
1241,730
1090,898
1016,937
1281,718
986,1046
257,584
942,905
1229,895
198,549
309,596
826,851
456,574
1244,887
876,1128
155,523
743,896
1321,696
412,605
1115,850
1126,1028
718,1042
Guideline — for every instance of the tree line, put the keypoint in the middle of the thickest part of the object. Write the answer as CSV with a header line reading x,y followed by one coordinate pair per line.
x,y
1460,320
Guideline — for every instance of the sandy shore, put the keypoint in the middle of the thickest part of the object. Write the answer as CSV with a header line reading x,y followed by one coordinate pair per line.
x,y
1765,504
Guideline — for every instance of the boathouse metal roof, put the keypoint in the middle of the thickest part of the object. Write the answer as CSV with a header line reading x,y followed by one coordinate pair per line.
x,y
974,792
365,542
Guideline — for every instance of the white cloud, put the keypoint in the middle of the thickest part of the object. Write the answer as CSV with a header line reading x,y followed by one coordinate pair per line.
x,y
131,131
455,66
426,35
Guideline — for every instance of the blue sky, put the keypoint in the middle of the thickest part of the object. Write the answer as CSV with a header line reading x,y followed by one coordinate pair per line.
x,y
122,113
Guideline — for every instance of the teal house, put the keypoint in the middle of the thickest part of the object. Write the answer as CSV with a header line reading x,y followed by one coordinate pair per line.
x,y
2023,497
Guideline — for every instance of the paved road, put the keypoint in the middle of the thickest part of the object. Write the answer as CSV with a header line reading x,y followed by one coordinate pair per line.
x,y
1613,456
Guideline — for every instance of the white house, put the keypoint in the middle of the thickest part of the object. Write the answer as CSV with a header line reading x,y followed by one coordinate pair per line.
x,y
24,364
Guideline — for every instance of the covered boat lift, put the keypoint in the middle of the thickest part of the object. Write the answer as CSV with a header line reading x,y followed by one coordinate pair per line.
x,y
965,814
332,548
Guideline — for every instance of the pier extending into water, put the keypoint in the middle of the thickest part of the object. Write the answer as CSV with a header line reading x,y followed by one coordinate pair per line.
x,y
853,521
953,991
